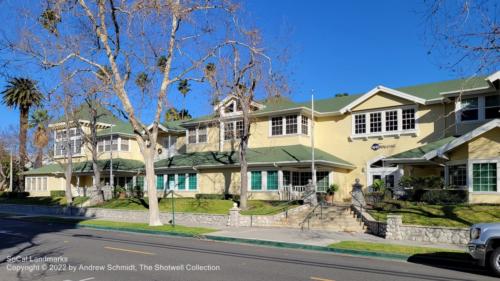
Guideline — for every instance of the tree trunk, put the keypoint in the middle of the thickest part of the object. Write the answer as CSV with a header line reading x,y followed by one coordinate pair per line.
x,y
68,174
243,158
97,177
154,212
23,126
39,157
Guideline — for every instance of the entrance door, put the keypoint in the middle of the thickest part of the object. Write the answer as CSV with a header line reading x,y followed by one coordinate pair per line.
x,y
390,175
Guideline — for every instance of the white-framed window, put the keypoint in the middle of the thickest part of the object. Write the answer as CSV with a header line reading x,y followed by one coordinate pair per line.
x,y
118,144
277,126
469,109
305,125
391,120
375,122
177,181
202,134
228,131
35,184
484,176
408,118
233,130
477,108
360,124
62,142
197,135
492,107
457,175
384,122
291,124
191,135
288,125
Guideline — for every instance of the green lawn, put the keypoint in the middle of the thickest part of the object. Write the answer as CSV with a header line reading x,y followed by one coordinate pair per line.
x,y
46,200
438,215
192,205
115,224
388,248
256,207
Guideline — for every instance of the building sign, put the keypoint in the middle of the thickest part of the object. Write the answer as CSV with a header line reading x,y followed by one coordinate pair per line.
x,y
377,146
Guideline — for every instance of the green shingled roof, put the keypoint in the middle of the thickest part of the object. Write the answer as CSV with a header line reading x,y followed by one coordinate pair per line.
x,y
103,114
119,128
432,90
419,152
46,170
293,154
119,164
174,125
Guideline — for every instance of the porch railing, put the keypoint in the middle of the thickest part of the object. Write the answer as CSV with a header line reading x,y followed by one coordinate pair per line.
x,y
293,192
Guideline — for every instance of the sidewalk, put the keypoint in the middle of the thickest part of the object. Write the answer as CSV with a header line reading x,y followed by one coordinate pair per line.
x,y
297,236
316,238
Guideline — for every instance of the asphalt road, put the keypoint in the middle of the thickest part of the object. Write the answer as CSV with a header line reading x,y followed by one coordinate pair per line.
x,y
58,252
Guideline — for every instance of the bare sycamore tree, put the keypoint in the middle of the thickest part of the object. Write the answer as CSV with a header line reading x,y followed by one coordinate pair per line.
x,y
242,69
160,42
67,101
465,34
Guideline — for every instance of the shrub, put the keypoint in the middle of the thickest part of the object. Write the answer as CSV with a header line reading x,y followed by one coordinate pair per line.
x,y
444,196
210,196
17,195
426,182
57,193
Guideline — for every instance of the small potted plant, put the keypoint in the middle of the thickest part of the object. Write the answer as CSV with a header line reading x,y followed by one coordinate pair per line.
x,y
122,192
330,192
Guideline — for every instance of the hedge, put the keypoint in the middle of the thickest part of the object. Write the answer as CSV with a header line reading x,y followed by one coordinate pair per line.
x,y
57,193
9,194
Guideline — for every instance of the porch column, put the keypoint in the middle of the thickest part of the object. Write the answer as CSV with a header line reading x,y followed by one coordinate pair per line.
x,y
134,181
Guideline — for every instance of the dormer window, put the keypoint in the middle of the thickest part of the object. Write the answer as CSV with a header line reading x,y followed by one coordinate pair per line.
x,y
229,108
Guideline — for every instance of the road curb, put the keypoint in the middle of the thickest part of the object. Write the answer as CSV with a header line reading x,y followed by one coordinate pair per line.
x,y
276,244
268,243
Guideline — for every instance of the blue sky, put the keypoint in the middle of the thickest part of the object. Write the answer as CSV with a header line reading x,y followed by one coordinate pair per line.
x,y
337,47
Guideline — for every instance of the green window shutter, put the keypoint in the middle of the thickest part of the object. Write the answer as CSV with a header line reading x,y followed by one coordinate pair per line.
x,y
272,180
159,182
140,182
181,179
256,180
171,181
193,182
322,181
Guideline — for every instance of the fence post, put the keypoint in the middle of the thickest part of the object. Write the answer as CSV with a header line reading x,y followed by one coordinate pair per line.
x,y
234,216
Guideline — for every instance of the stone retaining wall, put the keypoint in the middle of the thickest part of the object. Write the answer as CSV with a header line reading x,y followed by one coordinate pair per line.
x,y
396,230
116,215
234,219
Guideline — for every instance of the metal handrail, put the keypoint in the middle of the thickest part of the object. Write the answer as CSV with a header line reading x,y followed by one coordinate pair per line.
x,y
311,214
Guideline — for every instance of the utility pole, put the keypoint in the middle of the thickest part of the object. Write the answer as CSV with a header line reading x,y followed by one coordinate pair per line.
x,y
11,180
313,166
111,181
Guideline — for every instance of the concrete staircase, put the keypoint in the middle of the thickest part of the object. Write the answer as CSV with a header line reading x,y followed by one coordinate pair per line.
x,y
334,218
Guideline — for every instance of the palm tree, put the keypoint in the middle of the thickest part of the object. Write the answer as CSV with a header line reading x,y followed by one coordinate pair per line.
x,y
184,89
22,93
39,120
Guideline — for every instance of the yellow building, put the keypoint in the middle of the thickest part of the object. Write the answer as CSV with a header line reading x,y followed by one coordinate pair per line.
x,y
449,129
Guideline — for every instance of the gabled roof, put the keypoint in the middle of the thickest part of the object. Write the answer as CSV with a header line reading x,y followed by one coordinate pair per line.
x,y
463,139
287,155
118,128
103,114
418,153
422,94
380,89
